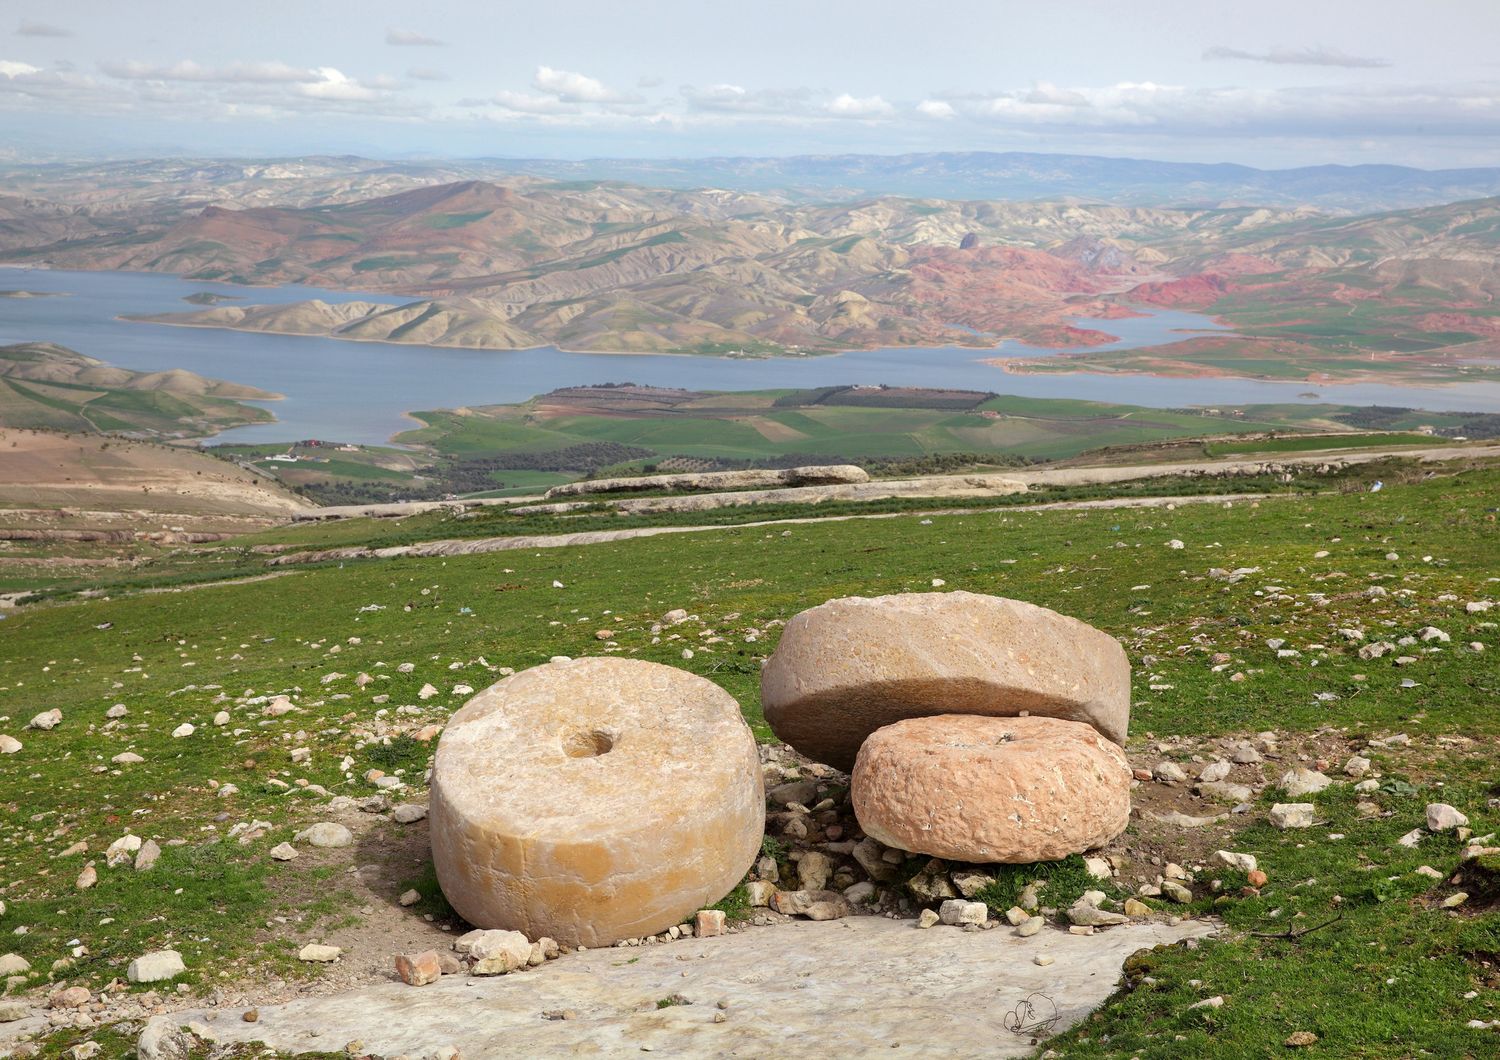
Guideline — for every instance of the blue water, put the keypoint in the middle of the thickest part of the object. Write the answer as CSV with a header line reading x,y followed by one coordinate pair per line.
x,y
360,391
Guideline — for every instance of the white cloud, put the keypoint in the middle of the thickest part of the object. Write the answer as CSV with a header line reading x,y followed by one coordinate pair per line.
x,y
333,84
187,70
28,28
426,73
1046,92
1342,110
1319,56
526,103
936,108
9,68
736,99
573,87
847,106
408,38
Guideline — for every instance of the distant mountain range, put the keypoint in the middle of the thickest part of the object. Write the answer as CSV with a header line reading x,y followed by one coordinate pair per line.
x,y
1020,175
952,175
596,264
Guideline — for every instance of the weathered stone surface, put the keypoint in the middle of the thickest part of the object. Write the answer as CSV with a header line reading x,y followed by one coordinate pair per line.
x,y
981,789
594,799
941,993
852,665
155,967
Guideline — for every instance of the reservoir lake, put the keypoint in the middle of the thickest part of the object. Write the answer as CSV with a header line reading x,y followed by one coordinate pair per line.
x,y
361,391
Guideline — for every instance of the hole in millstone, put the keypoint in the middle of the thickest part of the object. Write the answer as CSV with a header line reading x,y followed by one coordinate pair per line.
x,y
589,744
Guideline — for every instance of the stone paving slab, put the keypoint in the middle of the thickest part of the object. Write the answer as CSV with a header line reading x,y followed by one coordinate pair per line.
x,y
850,987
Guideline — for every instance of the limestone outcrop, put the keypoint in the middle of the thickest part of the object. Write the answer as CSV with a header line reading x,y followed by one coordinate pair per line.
x,y
594,799
814,475
854,665
984,789
934,486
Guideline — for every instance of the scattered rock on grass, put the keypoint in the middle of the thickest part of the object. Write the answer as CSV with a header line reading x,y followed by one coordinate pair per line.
x,y
1444,818
1303,781
1293,814
314,953
326,834
155,967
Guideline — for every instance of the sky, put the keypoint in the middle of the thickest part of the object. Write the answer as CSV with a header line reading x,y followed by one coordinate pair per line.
x,y
1271,83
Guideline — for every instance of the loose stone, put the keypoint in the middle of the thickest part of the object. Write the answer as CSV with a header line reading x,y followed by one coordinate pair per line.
x,y
155,967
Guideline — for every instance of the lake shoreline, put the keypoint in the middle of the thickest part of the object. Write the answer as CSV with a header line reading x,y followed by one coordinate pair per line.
x,y
362,390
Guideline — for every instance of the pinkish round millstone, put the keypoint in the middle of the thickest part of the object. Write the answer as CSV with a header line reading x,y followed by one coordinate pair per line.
x,y
977,789
594,800
847,667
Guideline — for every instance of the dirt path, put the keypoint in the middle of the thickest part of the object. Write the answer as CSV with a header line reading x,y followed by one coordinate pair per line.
x,y
479,545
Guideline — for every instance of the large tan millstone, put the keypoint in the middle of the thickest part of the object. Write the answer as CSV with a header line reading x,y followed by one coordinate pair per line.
x,y
593,800
847,667
978,789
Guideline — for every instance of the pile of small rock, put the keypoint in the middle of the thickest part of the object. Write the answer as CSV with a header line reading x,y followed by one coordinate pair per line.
x,y
977,729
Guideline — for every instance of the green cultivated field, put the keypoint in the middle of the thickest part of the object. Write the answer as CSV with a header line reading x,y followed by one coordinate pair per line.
x,y
1389,979
768,425
509,450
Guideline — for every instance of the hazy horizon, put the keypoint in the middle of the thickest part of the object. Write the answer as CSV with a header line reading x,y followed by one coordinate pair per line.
x,y
1284,85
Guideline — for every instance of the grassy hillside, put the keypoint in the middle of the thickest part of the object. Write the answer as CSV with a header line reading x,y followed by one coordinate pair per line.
x,y
1388,979
43,385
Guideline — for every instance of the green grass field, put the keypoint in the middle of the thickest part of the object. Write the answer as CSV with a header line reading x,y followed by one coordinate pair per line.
x,y
1387,980
746,425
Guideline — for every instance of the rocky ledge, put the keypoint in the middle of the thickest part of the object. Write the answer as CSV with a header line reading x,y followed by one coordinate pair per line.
x,y
789,992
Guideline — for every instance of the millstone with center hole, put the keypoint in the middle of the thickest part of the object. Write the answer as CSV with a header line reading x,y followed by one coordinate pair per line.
x,y
594,800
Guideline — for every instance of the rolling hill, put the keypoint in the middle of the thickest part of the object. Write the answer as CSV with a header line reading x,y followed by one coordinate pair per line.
x,y
596,265
43,385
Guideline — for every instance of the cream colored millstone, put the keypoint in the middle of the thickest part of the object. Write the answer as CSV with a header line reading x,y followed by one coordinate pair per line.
x,y
593,800
850,666
977,789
